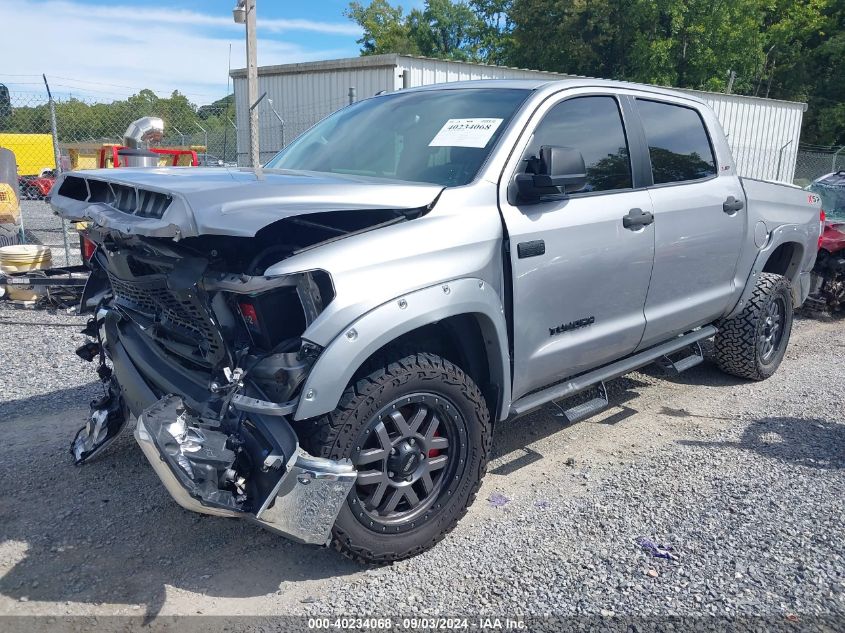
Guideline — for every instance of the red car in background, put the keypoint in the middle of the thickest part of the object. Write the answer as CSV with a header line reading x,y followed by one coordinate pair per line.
x,y
828,290
36,187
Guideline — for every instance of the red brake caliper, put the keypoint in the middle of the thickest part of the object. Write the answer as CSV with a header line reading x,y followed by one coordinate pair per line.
x,y
434,452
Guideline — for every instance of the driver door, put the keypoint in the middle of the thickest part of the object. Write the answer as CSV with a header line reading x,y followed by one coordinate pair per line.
x,y
580,278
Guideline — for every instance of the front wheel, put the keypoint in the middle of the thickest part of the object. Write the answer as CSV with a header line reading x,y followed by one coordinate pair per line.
x,y
418,430
752,343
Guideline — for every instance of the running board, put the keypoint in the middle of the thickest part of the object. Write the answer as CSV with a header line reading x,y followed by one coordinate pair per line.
x,y
585,409
675,367
578,384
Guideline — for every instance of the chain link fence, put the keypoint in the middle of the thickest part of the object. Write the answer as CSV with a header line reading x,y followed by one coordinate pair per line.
x,y
278,126
88,133
815,161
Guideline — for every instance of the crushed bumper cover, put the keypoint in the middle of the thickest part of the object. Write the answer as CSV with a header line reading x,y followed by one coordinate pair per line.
x,y
188,453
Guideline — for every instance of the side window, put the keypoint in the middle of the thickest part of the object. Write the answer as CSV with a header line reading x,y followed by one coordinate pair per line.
x,y
592,125
677,142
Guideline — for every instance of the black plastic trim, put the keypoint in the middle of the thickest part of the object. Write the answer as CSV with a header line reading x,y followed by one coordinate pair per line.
x,y
530,249
637,144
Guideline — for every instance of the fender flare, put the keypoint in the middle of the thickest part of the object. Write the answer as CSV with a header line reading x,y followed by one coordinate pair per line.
x,y
783,233
337,364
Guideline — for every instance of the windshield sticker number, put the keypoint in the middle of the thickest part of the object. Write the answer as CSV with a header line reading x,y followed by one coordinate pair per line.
x,y
466,133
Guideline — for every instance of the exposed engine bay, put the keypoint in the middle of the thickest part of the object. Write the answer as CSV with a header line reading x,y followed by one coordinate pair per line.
x,y
198,318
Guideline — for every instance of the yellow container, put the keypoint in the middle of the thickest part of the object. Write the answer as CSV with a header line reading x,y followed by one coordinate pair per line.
x,y
21,259
25,257
10,210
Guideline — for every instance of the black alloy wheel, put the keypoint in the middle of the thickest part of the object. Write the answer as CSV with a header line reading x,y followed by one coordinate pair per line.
x,y
408,453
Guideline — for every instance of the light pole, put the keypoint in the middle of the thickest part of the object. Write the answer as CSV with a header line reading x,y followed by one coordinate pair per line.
x,y
244,13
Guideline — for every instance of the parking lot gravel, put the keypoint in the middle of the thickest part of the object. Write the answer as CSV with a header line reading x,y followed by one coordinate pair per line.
x,y
739,485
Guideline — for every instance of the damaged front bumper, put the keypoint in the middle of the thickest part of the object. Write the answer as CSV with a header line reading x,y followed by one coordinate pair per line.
x,y
232,455
191,457
211,364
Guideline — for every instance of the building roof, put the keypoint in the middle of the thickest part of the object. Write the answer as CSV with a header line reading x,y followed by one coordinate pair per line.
x,y
396,59
364,61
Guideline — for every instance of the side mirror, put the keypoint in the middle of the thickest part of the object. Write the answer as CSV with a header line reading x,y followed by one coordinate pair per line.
x,y
559,170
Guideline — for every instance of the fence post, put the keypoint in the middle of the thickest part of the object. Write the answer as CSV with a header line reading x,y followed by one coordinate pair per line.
x,y
833,162
281,120
780,155
58,156
352,92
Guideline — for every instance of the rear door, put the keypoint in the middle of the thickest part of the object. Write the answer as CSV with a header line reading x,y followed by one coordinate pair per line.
x,y
699,220
580,277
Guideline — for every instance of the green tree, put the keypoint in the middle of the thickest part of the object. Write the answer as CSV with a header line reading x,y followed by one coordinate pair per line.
x,y
442,28
386,28
823,67
495,39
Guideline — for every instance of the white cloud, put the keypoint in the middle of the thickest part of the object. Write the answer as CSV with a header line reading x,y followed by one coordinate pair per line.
x,y
139,47
183,17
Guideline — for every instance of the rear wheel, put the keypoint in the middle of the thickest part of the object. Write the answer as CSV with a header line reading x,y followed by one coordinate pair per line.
x,y
418,431
752,343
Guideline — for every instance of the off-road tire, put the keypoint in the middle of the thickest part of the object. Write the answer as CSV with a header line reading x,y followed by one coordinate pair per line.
x,y
334,436
736,343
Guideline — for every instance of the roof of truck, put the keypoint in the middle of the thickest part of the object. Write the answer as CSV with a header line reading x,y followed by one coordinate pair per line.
x,y
553,85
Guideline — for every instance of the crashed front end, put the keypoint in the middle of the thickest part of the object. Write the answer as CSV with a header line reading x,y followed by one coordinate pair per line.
x,y
207,353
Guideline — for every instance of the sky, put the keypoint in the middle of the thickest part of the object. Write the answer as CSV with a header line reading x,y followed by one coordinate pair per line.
x,y
100,51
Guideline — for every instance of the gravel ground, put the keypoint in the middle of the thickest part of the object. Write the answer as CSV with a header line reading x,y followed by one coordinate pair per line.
x,y
744,481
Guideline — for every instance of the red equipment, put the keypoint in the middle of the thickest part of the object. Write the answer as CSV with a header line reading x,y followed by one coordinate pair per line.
x,y
175,153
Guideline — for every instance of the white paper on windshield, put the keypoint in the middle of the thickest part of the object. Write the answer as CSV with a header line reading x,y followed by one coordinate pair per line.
x,y
466,133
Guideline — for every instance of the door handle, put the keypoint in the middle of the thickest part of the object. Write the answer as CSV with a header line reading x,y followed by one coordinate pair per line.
x,y
732,205
530,249
637,218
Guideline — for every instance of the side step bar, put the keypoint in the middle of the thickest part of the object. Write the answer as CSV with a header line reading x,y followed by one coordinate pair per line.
x,y
586,409
578,384
675,367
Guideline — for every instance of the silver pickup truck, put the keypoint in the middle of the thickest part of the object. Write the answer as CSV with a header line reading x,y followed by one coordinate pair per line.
x,y
324,344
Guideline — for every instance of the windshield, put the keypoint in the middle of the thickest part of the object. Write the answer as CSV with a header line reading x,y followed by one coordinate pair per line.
x,y
831,190
436,136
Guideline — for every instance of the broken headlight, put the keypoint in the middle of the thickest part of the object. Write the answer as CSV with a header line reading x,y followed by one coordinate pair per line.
x,y
283,313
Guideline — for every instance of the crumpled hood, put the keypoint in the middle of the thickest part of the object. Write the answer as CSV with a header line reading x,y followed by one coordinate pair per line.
x,y
239,202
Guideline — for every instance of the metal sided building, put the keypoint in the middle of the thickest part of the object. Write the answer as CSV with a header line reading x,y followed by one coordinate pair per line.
x,y
763,133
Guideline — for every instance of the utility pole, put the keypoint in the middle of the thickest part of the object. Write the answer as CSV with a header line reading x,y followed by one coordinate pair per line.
x,y
252,81
244,12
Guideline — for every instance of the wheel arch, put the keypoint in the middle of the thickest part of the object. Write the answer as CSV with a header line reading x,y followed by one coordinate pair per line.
x,y
463,320
785,260
785,254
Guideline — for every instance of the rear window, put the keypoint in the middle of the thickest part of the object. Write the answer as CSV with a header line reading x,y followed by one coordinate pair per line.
x,y
678,144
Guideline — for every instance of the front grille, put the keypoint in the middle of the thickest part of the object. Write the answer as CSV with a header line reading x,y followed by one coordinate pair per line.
x,y
179,317
140,202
